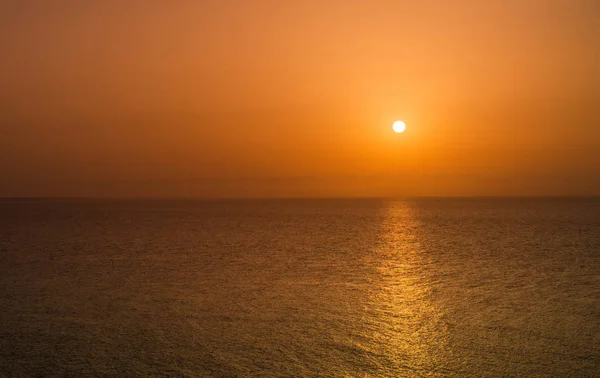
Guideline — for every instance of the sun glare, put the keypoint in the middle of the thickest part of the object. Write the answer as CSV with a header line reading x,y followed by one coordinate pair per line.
x,y
399,127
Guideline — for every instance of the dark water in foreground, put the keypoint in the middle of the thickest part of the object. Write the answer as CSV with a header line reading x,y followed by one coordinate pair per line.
x,y
479,287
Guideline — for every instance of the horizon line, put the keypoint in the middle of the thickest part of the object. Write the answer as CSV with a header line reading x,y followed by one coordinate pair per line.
x,y
205,198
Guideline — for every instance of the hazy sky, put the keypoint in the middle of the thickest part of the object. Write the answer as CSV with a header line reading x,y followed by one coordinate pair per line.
x,y
262,98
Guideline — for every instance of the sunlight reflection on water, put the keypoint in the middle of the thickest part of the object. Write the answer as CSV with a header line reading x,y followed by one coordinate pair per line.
x,y
407,325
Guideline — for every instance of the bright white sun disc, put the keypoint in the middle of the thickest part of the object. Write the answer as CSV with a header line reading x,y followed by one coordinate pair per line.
x,y
399,126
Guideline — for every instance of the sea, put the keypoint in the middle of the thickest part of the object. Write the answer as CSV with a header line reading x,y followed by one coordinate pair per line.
x,y
416,287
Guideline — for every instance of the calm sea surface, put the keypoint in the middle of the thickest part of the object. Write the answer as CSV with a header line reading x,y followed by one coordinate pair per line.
x,y
303,288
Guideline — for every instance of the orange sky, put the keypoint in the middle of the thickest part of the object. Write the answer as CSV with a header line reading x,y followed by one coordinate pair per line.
x,y
294,98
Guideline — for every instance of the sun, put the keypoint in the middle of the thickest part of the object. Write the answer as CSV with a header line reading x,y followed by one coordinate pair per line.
x,y
399,127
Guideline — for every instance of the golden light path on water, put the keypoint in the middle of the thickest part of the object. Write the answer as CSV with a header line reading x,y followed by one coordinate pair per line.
x,y
406,322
